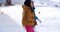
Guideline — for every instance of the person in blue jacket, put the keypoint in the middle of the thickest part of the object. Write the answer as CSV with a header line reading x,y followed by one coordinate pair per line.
x,y
33,9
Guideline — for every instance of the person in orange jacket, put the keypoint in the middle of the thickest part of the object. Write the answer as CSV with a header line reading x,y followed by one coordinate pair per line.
x,y
29,17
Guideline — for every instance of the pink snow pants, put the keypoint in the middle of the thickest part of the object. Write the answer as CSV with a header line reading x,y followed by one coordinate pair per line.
x,y
29,28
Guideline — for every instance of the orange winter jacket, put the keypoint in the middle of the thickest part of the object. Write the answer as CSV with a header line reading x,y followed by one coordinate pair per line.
x,y
28,17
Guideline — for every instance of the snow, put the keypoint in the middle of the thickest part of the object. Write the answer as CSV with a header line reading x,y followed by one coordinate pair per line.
x,y
10,20
50,19
15,12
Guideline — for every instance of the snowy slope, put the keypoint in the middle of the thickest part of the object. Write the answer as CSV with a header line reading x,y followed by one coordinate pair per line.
x,y
7,24
50,17
10,20
15,12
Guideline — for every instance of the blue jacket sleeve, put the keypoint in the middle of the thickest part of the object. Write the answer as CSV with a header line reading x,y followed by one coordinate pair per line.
x,y
36,17
34,12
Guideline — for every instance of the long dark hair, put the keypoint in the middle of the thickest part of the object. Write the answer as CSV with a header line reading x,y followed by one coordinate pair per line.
x,y
28,3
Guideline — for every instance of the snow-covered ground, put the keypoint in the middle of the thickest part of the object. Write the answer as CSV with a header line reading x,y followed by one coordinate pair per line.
x,y
10,20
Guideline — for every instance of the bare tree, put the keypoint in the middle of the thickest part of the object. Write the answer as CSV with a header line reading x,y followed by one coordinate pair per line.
x,y
0,4
8,2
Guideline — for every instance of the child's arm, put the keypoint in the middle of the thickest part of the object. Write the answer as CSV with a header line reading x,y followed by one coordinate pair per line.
x,y
37,18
